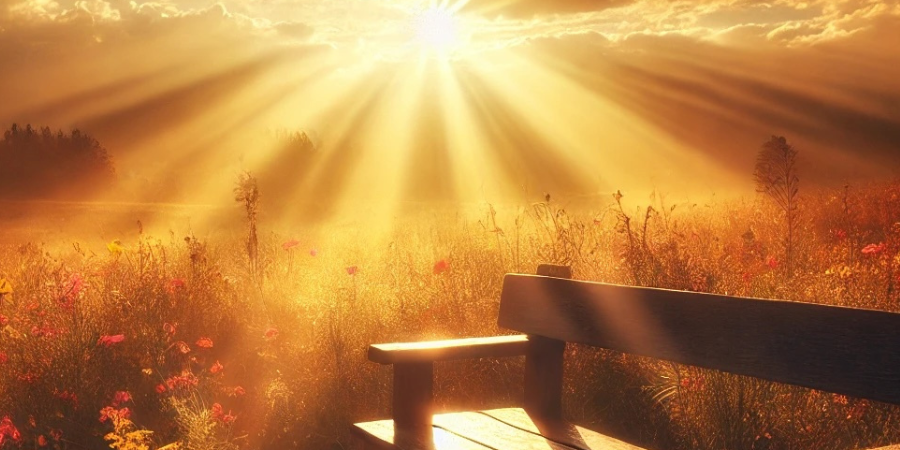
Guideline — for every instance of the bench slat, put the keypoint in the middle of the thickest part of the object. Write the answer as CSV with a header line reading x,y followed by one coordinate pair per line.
x,y
842,350
563,432
380,435
426,351
493,433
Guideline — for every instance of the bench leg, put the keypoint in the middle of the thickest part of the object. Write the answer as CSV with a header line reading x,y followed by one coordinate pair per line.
x,y
413,392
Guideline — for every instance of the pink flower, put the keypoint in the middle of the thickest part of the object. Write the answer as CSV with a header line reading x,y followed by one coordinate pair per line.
x,y
874,249
441,267
121,397
313,252
352,270
216,368
108,341
290,244
204,342
271,334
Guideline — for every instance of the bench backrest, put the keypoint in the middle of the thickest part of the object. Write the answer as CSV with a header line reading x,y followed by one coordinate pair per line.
x,y
847,351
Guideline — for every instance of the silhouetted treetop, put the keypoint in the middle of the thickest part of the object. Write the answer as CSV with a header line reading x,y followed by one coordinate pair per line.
x,y
43,164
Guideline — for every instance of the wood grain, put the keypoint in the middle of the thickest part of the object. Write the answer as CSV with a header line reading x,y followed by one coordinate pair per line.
x,y
842,350
380,435
498,346
412,399
559,431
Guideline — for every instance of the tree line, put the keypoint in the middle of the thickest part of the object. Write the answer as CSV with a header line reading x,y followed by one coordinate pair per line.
x,y
38,163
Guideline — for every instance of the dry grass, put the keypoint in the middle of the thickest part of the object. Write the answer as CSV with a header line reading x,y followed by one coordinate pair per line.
x,y
290,338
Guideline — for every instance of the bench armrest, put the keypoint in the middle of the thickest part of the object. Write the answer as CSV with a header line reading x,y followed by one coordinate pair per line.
x,y
430,351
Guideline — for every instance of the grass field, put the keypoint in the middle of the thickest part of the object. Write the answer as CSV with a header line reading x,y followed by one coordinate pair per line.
x,y
164,334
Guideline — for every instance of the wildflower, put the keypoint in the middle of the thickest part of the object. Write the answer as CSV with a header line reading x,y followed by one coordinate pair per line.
x,y
168,328
204,342
772,262
8,430
271,334
313,252
55,434
182,347
840,234
41,441
160,388
3,358
175,284
121,397
874,249
238,391
216,411
352,270
3,320
108,341
290,244
441,266
228,418
115,247
110,413
216,368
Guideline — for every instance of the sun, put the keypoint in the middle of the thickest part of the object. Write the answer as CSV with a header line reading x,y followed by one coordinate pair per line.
x,y
436,29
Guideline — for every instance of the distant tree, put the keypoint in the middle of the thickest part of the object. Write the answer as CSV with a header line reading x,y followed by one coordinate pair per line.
x,y
41,164
776,176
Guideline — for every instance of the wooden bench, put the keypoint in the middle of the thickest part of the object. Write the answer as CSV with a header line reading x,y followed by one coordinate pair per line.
x,y
846,351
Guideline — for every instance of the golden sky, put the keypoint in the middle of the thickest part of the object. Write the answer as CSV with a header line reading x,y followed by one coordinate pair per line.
x,y
482,100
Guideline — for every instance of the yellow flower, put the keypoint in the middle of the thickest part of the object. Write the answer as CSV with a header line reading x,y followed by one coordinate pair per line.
x,y
5,287
115,247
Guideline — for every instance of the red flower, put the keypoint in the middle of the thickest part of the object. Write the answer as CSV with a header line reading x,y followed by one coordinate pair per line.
x,y
73,288
352,270
121,397
271,334
216,368
772,262
840,234
204,342
175,284
290,244
441,266
41,441
3,320
238,391
7,429
3,358
56,434
216,411
160,388
228,418
874,249
107,341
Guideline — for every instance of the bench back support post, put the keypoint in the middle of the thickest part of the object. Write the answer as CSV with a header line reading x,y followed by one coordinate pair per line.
x,y
544,364
413,392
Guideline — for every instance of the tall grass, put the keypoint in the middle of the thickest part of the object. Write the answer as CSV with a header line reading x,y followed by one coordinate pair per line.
x,y
218,353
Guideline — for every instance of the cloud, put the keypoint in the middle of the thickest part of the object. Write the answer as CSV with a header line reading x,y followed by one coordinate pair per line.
x,y
531,8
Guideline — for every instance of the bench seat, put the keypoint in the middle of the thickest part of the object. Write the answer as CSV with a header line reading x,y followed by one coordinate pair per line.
x,y
496,429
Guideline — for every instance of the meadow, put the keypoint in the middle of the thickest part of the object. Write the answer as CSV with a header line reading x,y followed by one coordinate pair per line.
x,y
145,338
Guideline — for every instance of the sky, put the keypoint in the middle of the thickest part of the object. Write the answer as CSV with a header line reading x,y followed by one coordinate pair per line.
x,y
493,99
